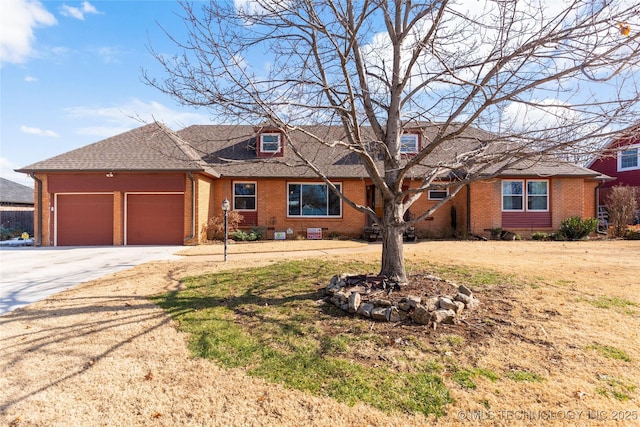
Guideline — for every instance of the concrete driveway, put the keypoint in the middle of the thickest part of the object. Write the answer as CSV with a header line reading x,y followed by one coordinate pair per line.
x,y
29,274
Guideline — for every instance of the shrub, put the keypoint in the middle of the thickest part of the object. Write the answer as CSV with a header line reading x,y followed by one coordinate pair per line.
x,y
216,224
576,228
256,233
622,205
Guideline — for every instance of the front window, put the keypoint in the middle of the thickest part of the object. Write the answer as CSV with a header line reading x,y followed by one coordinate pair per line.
x,y
409,143
535,192
270,142
629,159
512,195
244,196
537,196
313,200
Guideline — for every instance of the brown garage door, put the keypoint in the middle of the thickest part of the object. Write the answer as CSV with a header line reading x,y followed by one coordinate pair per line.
x,y
84,219
155,219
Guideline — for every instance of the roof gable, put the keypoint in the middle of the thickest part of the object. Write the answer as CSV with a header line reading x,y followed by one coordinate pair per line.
x,y
152,147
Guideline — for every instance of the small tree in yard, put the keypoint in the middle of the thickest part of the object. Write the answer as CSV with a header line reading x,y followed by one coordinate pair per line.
x,y
622,206
541,77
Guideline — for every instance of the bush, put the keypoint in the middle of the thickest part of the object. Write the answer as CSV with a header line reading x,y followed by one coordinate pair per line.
x,y
256,233
575,228
216,224
622,205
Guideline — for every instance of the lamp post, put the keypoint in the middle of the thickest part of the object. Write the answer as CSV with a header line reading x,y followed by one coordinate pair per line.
x,y
225,209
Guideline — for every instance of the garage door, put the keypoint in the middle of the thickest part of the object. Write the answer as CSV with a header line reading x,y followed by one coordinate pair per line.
x,y
84,219
154,219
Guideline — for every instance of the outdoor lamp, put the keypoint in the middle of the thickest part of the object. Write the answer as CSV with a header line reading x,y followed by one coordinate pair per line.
x,y
225,209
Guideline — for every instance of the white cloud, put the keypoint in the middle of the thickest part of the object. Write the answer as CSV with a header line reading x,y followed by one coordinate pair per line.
x,y
78,12
18,20
30,79
109,54
39,132
108,121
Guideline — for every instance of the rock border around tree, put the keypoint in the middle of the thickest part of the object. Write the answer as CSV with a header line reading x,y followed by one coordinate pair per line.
x,y
373,297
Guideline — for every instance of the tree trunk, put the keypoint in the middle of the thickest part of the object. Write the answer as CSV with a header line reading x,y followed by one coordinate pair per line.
x,y
392,243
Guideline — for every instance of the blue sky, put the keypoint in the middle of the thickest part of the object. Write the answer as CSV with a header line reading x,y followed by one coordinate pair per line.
x,y
70,75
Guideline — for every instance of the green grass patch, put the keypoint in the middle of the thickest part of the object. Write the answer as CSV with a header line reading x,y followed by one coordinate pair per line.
x,y
610,352
465,377
621,305
525,377
616,388
266,320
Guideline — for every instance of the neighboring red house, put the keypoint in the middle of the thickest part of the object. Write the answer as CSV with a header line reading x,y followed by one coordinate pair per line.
x,y
620,160
155,186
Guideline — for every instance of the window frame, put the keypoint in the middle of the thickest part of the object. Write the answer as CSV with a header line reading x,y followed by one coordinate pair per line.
x,y
255,195
502,194
526,194
622,156
444,190
272,134
329,195
414,136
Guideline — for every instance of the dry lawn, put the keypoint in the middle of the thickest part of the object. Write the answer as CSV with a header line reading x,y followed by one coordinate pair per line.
x,y
102,355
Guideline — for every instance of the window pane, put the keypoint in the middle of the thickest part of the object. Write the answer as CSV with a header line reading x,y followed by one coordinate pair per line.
x,y
512,188
537,187
245,203
244,189
314,200
334,203
629,158
537,203
294,199
512,203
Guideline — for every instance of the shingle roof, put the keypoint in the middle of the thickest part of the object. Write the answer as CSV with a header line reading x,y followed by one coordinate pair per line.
x,y
150,147
14,193
230,150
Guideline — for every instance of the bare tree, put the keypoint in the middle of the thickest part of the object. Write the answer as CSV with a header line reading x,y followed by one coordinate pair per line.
x,y
541,77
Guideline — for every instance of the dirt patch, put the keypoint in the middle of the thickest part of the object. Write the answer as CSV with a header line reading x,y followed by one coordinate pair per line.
x,y
101,354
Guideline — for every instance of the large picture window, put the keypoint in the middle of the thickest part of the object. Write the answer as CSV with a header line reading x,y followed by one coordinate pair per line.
x,y
313,200
629,159
535,192
244,196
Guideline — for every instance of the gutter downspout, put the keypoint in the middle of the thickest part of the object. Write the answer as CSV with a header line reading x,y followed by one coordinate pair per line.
x,y
468,209
193,205
39,213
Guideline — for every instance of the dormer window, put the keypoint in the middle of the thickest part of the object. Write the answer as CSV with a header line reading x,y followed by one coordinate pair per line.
x,y
270,143
409,143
